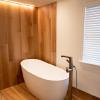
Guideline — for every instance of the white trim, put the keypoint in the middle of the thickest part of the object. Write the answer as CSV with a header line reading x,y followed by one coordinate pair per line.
x,y
81,61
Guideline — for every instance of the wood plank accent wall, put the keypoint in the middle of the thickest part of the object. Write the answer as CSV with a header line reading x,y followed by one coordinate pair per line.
x,y
25,33
47,33
17,30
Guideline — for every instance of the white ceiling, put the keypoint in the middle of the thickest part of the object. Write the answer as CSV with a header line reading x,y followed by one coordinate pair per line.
x,y
37,3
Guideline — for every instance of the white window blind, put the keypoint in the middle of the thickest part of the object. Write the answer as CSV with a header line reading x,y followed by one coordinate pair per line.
x,y
91,46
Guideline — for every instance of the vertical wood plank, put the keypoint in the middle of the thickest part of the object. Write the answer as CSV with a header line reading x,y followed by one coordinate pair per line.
x,y
47,33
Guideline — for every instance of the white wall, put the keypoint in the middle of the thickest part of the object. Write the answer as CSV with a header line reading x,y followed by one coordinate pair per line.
x,y
70,15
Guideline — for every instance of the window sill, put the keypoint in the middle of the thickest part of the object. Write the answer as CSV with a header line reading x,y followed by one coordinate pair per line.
x,y
83,62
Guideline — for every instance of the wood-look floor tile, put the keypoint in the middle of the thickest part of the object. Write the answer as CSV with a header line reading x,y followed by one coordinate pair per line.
x,y
18,92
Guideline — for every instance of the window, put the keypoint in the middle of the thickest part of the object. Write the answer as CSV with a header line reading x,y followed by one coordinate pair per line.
x,y
91,44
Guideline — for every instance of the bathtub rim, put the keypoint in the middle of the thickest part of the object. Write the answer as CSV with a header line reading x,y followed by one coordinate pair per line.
x,y
23,68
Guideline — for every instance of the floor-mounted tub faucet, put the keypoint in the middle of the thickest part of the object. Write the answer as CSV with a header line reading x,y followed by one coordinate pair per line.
x,y
70,70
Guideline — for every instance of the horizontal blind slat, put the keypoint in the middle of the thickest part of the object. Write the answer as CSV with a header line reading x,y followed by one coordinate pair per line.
x,y
91,46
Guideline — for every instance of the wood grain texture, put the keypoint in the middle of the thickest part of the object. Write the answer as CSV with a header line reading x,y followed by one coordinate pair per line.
x,y
20,92
25,33
17,30
47,33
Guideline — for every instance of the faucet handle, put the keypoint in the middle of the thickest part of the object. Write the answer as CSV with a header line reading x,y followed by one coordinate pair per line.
x,y
70,61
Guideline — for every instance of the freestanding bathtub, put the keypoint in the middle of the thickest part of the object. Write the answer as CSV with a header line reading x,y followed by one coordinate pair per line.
x,y
45,81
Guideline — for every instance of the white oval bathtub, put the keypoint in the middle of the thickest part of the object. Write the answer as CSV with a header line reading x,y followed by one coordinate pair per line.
x,y
45,81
